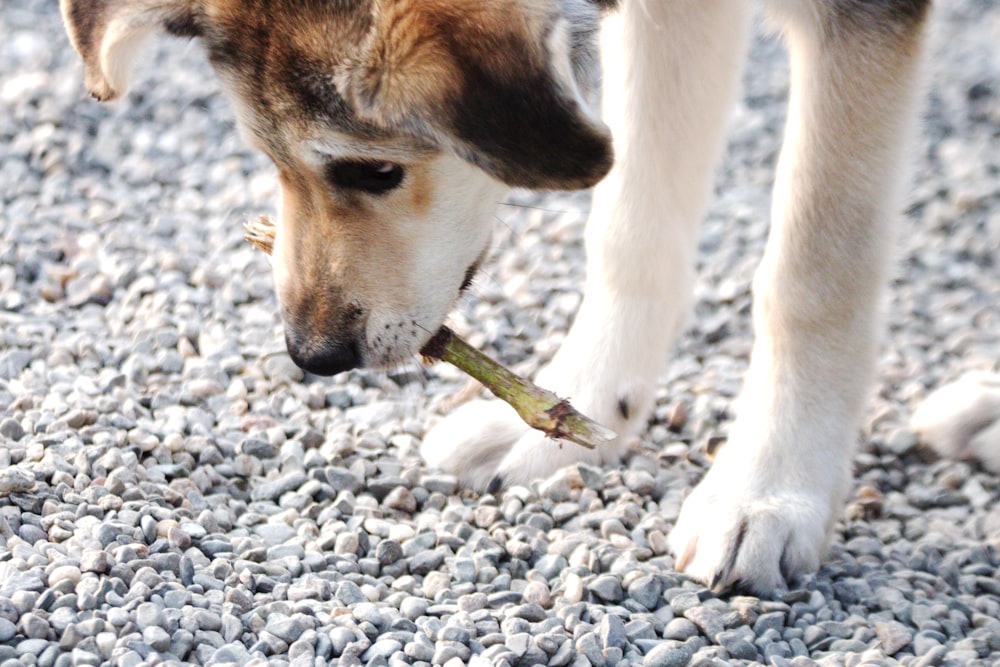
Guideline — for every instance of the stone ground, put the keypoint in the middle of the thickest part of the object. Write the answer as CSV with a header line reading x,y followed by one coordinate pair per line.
x,y
174,491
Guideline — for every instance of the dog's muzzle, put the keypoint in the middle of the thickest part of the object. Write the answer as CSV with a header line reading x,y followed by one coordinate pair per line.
x,y
323,357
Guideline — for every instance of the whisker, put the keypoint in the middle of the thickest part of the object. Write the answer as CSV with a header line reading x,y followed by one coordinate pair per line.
x,y
535,208
505,224
492,278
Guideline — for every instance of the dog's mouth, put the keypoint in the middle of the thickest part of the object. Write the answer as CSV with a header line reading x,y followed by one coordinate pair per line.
x,y
363,338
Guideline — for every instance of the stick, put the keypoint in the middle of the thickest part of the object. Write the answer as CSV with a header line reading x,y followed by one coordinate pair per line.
x,y
539,408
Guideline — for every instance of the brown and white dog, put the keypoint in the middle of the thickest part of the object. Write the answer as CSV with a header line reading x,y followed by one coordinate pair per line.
x,y
396,126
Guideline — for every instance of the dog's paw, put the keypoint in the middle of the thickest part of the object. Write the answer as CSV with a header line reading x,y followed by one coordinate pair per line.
x,y
962,419
752,530
606,367
536,456
473,440
488,447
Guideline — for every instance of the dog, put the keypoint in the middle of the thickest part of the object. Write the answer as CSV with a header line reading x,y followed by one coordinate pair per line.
x,y
396,126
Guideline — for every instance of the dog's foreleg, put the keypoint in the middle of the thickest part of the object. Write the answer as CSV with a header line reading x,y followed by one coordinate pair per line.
x,y
671,75
765,510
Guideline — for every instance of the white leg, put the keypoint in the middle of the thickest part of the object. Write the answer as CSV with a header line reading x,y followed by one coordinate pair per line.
x,y
764,512
671,73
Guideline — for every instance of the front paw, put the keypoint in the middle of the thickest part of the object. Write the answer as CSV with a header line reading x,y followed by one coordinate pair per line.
x,y
473,440
962,419
752,530
486,445
599,368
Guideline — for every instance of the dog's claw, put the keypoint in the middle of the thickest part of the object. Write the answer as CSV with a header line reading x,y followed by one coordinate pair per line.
x,y
496,485
723,577
686,556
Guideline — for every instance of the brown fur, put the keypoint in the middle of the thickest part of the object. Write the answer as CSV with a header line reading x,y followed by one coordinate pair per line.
x,y
430,69
414,83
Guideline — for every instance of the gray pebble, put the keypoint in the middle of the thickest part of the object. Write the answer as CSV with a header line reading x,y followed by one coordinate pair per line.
x,y
7,630
440,483
157,638
33,626
388,552
149,615
612,631
286,629
680,629
11,429
590,647
16,480
893,636
607,587
707,620
383,649
271,490
426,561
646,591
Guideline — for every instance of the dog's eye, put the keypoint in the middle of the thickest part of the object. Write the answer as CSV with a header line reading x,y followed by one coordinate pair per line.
x,y
372,177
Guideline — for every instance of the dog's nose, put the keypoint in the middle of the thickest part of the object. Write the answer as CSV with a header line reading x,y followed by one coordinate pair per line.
x,y
323,358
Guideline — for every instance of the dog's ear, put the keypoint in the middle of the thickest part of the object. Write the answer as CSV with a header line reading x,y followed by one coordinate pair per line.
x,y
493,81
107,34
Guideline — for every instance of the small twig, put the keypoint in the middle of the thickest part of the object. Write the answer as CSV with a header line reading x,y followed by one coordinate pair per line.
x,y
539,408
260,233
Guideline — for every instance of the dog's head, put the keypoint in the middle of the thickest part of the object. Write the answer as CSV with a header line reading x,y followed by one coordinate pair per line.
x,y
396,127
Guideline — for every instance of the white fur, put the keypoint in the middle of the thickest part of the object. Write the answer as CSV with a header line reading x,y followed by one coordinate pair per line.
x,y
962,419
816,316
764,512
640,271
119,49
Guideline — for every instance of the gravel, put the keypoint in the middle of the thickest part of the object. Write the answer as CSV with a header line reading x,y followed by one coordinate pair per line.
x,y
174,491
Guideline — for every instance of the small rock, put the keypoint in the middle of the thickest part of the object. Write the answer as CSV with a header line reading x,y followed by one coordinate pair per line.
x,y
612,631
95,560
273,489
149,615
680,629
607,587
402,499
708,621
537,593
16,480
34,626
388,552
65,572
11,429
646,591
13,362
446,484
157,637
286,629
893,636
589,646
426,561
7,630
667,654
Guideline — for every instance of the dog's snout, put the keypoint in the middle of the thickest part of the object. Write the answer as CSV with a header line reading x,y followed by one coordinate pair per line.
x,y
324,357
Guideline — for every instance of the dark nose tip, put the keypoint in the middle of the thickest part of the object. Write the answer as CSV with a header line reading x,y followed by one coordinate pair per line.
x,y
323,358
